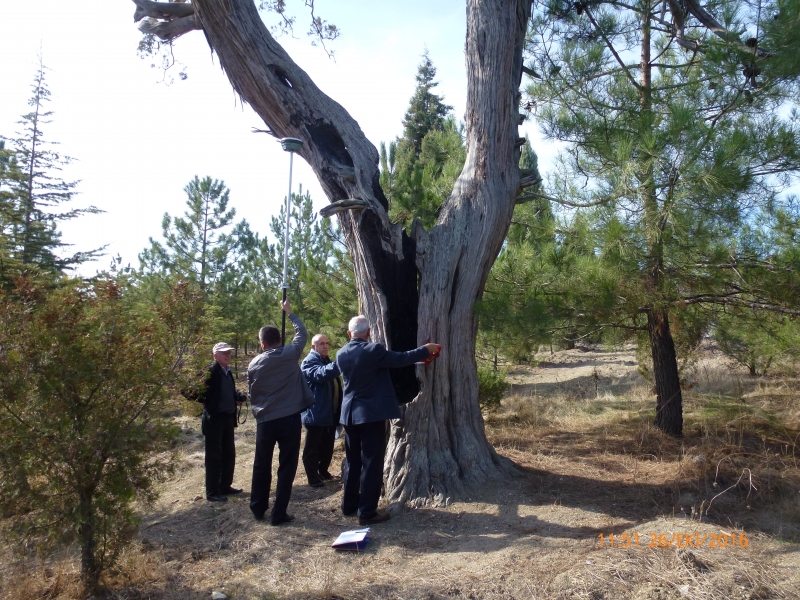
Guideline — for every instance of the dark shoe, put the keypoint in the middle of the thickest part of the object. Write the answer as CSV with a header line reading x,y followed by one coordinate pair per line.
x,y
325,476
216,498
231,491
319,483
379,517
258,517
351,513
287,518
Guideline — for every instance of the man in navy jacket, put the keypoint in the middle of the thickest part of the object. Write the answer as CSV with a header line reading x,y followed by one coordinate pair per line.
x,y
322,417
369,400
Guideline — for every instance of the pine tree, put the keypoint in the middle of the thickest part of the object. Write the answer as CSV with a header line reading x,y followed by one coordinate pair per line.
x,y
419,169
8,214
242,296
513,319
426,111
194,246
670,154
33,193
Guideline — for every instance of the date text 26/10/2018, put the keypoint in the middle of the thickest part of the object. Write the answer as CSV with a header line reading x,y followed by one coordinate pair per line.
x,y
675,540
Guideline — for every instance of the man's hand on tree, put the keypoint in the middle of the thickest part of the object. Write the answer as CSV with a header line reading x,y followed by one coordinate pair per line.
x,y
433,349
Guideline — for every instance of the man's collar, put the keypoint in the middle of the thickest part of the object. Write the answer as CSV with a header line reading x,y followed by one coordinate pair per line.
x,y
224,369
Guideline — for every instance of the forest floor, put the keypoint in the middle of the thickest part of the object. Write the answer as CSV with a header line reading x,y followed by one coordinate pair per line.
x,y
715,514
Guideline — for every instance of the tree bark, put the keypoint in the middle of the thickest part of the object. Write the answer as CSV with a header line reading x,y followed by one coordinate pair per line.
x,y
669,398
418,288
90,571
169,30
439,447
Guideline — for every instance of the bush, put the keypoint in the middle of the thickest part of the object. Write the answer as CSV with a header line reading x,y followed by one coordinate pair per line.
x,y
88,377
492,386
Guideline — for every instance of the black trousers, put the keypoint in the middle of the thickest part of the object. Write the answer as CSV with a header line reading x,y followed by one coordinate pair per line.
x,y
365,448
318,450
220,453
286,433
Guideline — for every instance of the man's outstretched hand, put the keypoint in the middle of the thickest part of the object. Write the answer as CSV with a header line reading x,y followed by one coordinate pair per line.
x,y
433,349
286,307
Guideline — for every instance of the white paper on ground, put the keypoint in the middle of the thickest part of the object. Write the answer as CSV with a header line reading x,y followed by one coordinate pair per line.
x,y
350,537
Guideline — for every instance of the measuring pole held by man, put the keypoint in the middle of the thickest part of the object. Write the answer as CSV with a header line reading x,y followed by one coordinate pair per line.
x,y
290,145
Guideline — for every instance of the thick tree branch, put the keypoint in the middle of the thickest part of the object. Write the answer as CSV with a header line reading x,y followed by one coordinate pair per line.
x,y
161,10
341,206
528,178
169,30
708,20
293,106
679,9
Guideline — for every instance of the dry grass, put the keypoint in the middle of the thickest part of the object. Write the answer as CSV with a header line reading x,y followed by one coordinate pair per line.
x,y
589,463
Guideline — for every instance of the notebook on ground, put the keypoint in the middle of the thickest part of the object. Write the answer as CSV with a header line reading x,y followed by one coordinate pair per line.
x,y
352,540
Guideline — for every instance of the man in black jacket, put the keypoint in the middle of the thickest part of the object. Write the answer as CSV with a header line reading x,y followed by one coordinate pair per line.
x,y
220,400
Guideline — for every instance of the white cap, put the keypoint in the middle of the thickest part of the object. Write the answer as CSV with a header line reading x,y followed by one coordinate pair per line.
x,y
221,347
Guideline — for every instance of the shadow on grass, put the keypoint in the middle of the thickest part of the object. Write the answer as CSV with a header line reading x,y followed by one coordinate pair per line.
x,y
581,386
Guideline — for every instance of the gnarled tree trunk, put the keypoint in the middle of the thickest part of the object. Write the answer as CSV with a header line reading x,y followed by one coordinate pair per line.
x,y
414,288
440,447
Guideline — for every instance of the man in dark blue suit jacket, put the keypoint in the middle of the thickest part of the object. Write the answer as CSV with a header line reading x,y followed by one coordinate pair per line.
x,y
321,418
369,399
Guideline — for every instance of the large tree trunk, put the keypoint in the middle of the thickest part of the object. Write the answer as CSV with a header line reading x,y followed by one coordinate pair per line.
x,y
440,447
412,289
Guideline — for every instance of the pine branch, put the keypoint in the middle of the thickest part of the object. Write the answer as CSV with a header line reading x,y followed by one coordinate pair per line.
x,y
735,301
613,50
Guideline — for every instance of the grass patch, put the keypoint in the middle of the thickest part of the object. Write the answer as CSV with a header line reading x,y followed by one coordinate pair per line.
x,y
589,462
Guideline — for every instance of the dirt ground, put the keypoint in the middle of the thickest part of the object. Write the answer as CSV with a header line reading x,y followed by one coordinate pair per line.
x,y
588,466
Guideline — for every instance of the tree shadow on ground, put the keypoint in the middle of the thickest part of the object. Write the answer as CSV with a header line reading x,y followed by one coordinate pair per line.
x,y
583,386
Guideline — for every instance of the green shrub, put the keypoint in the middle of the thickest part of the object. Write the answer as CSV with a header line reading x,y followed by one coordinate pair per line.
x,y
492,385
88,379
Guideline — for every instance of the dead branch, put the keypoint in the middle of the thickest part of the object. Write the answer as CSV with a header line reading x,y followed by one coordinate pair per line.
x,y
169,30
342,205
161,10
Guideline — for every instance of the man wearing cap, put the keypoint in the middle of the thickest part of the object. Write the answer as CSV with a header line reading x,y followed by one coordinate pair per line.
x,y
220,400
278,393
369,400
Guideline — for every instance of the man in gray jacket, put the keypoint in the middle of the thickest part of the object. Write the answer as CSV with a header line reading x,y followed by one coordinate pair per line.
x,y
278,394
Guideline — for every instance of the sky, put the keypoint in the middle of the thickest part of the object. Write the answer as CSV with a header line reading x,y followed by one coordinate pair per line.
x,y
138,139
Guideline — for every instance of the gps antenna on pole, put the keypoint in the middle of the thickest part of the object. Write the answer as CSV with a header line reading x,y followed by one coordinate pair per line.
x,y
290,145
